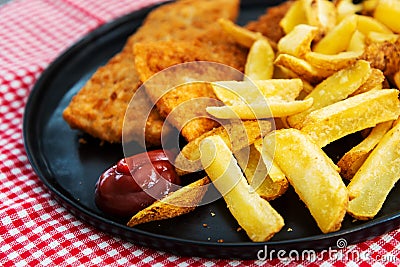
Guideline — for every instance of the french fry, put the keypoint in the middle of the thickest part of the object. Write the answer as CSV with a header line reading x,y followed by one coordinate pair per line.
x,y
388,12
343,32
253,213
320,13
335,88
382,37
260,176
260,61
372,183
242,35
302,68
276,174
271,108
245,92
298,42
311,174
374,82
177,203
348,116
368,24
357,42
333,62
237,136
346,8
293,17
351,162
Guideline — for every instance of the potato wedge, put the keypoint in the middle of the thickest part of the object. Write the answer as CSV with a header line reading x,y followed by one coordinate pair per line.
x,y
253,213
388,12
237,135
348,116
177,203
271,108
312,175
258,174
298,42
260,61
338,39
372,183
355,157
333,62
335,88
293,17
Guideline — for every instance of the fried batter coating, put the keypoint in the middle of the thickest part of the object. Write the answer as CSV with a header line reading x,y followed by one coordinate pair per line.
x,y
156,56
268,24
99,107
384,56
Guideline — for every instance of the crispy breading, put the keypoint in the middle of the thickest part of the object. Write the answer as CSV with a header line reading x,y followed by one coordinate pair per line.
x,y
384,56
99,107
156,56
268,24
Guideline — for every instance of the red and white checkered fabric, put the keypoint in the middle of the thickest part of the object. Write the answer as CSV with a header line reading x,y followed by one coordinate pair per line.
x,y
34,229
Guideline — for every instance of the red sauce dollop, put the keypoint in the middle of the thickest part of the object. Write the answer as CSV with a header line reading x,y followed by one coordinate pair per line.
x,y
120,190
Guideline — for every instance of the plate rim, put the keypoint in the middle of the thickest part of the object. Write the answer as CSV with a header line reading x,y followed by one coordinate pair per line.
x,y
384,221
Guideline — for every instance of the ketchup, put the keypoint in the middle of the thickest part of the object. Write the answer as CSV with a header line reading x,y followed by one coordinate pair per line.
x,y
124,189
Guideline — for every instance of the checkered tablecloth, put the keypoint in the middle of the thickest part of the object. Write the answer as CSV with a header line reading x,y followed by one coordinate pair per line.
x,y
34,229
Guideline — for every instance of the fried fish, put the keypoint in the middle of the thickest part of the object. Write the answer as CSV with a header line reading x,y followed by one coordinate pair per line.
x,y
99,107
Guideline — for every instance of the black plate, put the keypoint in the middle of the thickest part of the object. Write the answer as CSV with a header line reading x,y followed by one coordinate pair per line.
x,y
70,169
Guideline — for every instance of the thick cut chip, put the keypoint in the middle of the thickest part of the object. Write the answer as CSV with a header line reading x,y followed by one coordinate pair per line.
x,y
272,108
351,115
293,17
335,88
260,176
99,107
253,213
241,35
338,39
333,62
374,82
351,162
177,203
298,42
260,61
237,136
312,175
346,8
357,42
274,172
322,14
388,12
302,68
372,183
245,92
368,24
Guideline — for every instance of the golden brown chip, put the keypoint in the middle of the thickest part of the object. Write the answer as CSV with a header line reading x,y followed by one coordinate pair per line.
x,y
177,203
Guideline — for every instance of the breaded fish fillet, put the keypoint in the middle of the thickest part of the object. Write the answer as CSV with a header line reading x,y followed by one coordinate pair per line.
x,y
213,46
99,107
268,24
